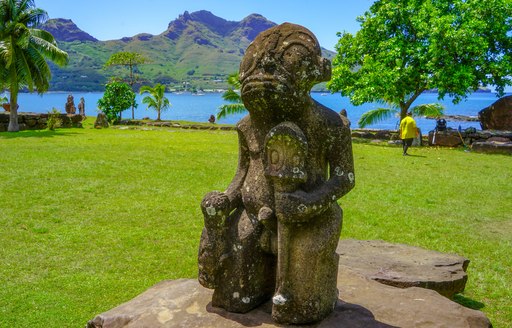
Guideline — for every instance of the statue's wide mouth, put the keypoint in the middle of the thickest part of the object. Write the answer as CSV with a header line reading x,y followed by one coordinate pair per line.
x,y
267,84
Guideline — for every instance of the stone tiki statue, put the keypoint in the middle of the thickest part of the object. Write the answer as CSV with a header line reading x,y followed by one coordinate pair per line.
x,y
70,105
273,233
81,106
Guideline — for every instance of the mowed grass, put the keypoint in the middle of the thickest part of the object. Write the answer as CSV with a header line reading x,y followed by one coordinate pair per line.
x,y
91,218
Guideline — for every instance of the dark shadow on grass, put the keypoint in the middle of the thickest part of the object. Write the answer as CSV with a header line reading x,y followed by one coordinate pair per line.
x,y
468,302
412,155
35,134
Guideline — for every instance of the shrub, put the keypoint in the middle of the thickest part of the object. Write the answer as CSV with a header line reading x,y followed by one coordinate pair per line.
x,y
54,121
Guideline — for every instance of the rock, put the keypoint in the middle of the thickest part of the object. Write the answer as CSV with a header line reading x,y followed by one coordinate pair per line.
x,y
101,121
405,266
362,134
363,304
498,116
383,134
499,139
492,147
448,138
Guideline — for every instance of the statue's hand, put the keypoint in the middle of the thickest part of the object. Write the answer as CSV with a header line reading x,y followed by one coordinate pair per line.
x,y
216,207
295,207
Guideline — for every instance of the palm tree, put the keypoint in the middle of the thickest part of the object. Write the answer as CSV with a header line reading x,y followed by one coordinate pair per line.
x,y
24,50
236,105
156,98
380,114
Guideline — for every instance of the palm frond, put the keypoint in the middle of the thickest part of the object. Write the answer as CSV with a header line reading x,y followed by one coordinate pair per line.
x,y
231,96
230,109
234,81
374,116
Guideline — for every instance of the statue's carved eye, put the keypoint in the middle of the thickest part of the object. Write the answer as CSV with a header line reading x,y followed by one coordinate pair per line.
x,y
296,58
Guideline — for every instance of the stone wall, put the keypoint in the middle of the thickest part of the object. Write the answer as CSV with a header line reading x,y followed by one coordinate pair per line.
x,y
37,121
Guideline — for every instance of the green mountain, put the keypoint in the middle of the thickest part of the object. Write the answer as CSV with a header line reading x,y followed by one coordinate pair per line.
x,y
197,50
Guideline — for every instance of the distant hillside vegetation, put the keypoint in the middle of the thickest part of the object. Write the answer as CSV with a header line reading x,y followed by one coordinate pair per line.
x,y
197,50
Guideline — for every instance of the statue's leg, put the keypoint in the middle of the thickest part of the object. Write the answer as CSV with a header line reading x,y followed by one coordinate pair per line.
x,y
312,273
246,277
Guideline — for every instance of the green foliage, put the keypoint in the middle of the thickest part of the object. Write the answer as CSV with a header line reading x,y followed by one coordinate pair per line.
x,y
24,50
236,105
405,47
117,215
3,100
130,60
118,97
428,110
156,99
54,121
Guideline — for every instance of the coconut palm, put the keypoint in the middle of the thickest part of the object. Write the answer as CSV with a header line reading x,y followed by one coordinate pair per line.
x,y
156,98
236,105
380,114
24,50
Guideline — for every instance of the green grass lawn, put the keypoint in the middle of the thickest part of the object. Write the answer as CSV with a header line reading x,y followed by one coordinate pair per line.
x,y
91,218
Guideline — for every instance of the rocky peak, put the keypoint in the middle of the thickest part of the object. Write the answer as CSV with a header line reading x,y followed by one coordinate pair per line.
x,y
215,24
249,27
66,30
253,25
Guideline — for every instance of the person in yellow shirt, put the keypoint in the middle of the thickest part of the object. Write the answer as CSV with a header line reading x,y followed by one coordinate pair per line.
x,y
408,131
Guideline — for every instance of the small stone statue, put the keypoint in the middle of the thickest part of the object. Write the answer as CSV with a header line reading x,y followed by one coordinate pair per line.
x,y
81,106
101,121
272,235
70,105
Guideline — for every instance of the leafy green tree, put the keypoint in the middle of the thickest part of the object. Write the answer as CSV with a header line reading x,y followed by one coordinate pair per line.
x,y
405,47
156,98
118,97
130,60
236,105
24,50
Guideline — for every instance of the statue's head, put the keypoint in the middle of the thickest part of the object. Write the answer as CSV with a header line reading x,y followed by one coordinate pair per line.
x,y
280,67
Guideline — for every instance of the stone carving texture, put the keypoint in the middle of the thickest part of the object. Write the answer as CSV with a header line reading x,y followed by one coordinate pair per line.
x,y
70,105
273,233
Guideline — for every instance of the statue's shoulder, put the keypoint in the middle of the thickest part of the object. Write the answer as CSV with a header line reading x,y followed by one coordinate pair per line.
x,y
329,118
244,125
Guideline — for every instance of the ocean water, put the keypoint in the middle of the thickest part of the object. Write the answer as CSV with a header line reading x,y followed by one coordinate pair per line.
x,y
198,108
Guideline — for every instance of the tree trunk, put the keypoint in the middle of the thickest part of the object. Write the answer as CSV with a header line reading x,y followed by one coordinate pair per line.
x,y
403,111
158,118
13,115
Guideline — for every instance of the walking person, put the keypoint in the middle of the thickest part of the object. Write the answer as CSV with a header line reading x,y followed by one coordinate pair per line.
x,y
408,131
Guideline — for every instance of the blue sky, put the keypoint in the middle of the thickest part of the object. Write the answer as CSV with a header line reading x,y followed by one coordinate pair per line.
x,y
114,19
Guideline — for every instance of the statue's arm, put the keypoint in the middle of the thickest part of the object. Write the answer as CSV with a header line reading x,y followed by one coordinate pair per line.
x,y
341,165
235,187
302,205
225,202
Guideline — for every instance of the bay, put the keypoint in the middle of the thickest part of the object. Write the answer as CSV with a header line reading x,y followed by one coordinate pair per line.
x,y
198,108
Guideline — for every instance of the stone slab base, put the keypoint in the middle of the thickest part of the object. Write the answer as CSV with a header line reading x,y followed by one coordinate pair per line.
x,y
363,303
405,266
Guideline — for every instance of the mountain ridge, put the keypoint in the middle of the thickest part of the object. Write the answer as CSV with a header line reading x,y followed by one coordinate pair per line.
x,y
197,50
